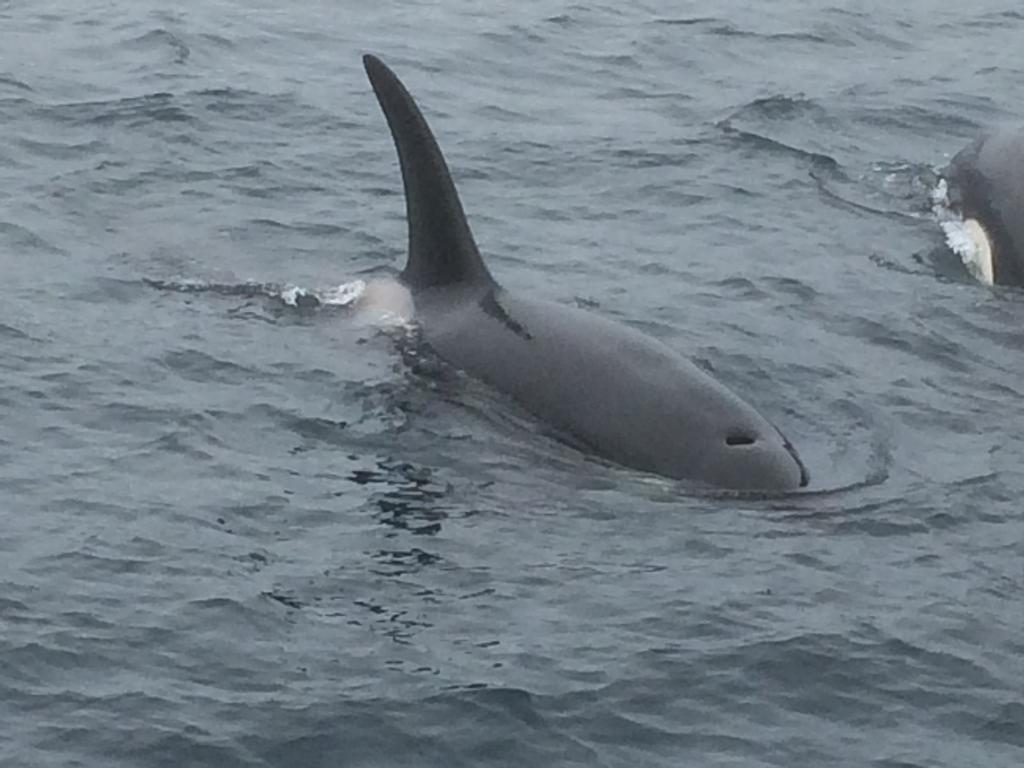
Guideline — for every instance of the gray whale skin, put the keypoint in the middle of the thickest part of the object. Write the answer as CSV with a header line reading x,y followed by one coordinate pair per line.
x,y
621,394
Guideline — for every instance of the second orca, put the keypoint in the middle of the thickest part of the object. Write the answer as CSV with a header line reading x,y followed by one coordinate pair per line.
x,y
986,188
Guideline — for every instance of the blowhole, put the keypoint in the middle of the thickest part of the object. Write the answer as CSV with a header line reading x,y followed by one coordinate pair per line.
x,y
739,440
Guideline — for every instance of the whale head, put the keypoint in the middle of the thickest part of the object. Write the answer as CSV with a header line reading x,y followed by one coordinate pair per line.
x,y
986,188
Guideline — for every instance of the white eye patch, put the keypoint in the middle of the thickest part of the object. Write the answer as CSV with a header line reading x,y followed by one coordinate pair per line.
x,y
982,251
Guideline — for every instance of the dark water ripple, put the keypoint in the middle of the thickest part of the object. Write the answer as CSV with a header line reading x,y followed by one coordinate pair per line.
x,y
243,530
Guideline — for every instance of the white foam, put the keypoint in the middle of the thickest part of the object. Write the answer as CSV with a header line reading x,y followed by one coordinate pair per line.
x,y
336,296
292,294
342,295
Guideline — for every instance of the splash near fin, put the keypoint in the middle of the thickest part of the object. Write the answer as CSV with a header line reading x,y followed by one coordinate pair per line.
x,y
441,246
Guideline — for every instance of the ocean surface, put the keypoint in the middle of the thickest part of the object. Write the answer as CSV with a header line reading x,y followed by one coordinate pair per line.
x,y
242,528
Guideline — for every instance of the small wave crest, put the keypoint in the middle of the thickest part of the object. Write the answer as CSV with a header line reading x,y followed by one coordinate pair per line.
x,y
777,124
335,296
162,40
6,81
290,295
375,301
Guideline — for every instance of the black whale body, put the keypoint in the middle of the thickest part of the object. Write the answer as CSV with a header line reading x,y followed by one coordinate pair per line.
x,y
626,396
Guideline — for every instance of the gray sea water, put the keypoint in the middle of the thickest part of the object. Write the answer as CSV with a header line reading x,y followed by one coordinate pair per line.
x,y
238,532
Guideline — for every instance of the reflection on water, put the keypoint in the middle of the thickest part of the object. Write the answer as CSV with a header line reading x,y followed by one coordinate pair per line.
x,y
411,497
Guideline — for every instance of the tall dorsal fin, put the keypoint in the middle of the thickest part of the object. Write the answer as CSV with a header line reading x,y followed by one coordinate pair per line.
x,y
441,246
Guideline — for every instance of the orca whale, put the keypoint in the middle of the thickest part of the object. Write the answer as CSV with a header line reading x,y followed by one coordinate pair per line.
x,y
985,186
623,395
